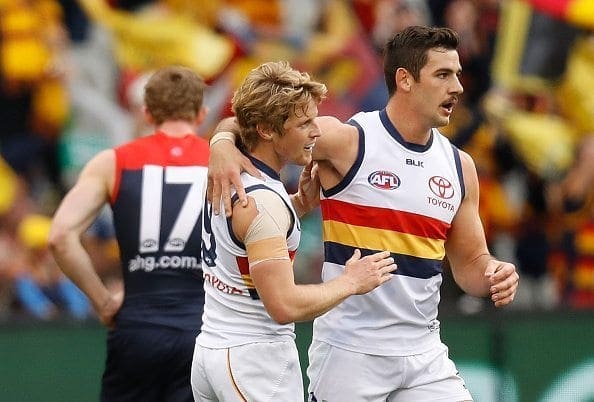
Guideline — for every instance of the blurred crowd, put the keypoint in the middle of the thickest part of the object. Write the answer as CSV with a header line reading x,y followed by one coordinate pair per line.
x,y
71,80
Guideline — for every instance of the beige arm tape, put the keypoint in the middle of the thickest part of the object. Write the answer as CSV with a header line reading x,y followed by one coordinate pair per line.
x,y
266,237
223,135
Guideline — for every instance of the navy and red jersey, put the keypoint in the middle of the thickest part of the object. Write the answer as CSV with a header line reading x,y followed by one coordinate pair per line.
x,y
157,210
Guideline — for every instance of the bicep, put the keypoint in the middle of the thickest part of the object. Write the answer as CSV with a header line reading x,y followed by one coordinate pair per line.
x,y
266,235
266,222
273,278
337,138
83,202
466,238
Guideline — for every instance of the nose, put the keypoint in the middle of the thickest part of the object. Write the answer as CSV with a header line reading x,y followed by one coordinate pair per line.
x,y
457,87
315,132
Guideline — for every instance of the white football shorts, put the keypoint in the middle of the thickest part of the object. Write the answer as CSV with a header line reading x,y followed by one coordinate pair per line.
x,y
338,375
255,372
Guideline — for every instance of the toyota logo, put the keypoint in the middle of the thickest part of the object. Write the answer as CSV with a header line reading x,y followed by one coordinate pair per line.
x,y
441,187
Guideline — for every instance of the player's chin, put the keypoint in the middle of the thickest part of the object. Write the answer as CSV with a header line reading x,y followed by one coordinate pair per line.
x,y
442,121
304,159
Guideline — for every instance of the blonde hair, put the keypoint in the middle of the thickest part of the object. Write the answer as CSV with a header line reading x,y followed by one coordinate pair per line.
x,y
269,95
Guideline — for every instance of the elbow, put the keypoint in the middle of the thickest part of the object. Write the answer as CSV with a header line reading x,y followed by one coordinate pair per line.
x,y
57,239
282,314
284,321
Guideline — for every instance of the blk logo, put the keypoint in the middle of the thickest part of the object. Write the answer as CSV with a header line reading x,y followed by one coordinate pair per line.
x,y
441,187
384,180
412,162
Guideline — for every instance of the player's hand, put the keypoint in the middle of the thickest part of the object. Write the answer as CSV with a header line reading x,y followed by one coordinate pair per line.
x,y
110,308
225,164
503,282
309,188
369,272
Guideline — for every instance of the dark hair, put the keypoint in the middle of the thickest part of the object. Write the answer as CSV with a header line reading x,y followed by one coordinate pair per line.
x,y
174,93
408,50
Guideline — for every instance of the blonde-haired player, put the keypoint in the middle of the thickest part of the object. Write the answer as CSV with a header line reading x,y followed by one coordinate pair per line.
x,y
246,349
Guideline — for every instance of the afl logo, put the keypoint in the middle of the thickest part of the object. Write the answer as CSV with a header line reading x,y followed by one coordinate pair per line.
x,y
149,243
384,180
177,243
441,187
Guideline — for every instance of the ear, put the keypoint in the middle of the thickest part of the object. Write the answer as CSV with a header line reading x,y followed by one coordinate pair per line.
x,y
148,117
264,132
201,115
403,79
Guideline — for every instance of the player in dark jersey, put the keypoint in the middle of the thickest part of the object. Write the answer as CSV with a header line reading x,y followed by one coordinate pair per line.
x,y
155,187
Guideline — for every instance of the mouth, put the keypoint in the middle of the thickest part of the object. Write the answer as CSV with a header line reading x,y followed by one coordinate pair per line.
x,y
309,147
448,106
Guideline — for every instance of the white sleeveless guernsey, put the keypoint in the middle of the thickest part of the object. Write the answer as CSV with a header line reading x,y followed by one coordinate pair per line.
x,y
233,312
399,197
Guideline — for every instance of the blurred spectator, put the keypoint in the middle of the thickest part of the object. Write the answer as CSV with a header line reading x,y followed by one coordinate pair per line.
x,y
391,16
33,100
539,69
40,287
571,203
464,16
14,204
157,35
75,20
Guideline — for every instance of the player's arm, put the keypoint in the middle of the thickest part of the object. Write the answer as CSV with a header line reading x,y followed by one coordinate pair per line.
x,y
76,213
225,165
307,196
335,151
475,270
338,144
263,225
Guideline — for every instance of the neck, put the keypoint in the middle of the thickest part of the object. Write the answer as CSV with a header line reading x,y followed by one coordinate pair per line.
x,y
264,151
407,122
176,128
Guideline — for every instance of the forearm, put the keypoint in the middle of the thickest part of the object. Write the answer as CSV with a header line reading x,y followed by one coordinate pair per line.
x,y
306,302
76,264
471,277
227,128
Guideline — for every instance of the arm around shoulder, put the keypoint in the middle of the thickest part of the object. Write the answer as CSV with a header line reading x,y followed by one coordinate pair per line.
x,y
337,138
225,165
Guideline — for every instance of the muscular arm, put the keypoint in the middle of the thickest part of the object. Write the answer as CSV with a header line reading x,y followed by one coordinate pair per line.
x,y
77,211
336,150
475,270
272,270
225,165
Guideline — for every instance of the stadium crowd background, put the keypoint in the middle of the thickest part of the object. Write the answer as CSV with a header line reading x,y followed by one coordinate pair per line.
x,y
72,74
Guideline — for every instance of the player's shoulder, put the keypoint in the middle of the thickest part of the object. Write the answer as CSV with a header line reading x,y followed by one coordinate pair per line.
x,y
102,164
268,197
332,124
136,143
198,139
103,158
